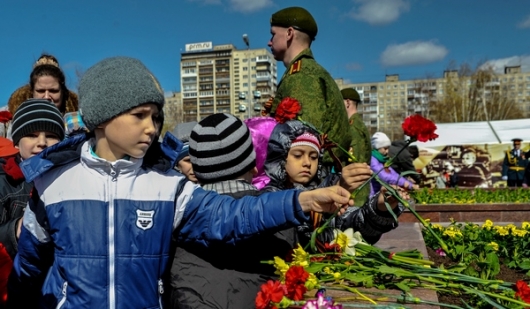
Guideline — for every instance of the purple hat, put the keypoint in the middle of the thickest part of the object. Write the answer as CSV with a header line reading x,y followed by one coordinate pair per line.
x,y
260,131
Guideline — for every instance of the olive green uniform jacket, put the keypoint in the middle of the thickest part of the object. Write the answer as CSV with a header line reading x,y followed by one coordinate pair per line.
x,y
320,98
362,150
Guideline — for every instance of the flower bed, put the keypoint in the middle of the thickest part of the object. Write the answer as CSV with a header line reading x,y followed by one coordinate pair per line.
x,y
471,205
470,213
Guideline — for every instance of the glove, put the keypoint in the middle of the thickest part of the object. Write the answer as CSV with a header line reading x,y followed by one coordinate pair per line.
x,y
504,177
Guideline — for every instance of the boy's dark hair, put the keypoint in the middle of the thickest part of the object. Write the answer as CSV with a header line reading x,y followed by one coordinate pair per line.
x,y
221,148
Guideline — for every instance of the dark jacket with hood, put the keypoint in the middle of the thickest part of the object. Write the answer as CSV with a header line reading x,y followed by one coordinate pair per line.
x,y
368,220
14,196
224,276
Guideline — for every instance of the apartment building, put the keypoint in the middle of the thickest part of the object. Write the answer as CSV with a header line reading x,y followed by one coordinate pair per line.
x,y
385,104
223,79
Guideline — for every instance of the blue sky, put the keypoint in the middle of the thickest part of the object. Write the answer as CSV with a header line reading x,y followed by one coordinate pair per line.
x,y
358,40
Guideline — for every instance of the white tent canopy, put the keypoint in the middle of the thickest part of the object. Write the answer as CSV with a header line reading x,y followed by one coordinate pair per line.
x,y
482,132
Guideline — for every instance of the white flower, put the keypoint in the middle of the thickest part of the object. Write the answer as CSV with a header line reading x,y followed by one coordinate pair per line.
x,y
347,240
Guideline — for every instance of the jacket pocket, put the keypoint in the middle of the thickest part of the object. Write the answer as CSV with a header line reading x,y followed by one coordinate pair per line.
x,y
61,302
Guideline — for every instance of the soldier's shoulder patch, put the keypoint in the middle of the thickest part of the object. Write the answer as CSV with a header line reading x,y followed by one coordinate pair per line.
x,y
295,67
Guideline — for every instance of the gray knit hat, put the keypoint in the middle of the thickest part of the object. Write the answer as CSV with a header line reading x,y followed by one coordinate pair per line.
x,y
114,86
221,148
36,115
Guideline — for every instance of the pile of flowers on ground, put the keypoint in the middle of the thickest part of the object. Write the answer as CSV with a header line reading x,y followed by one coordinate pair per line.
x,y
350,264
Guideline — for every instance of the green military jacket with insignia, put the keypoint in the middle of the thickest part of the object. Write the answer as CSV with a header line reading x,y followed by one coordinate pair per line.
x,y
320,98
362,150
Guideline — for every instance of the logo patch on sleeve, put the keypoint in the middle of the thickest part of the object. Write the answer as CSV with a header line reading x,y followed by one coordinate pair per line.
x,y
144,219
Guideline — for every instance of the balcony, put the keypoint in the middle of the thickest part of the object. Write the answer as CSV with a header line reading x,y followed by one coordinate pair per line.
x,y
263,77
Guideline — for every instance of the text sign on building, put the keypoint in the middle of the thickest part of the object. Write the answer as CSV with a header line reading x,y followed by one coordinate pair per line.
x,y
199,46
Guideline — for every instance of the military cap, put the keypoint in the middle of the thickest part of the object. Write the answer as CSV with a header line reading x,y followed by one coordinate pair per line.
x,y
296,17
350,93
517,141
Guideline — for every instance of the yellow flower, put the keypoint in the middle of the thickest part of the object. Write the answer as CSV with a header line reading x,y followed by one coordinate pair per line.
x,y
452,232
519,233
312,282
347,240
449,233
438,226
511,227
281,266
525,225
300,257
494,246
502,231
487,225
327,270
336,276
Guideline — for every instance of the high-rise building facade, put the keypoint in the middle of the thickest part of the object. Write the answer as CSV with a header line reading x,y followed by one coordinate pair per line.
x,y
385,104
223,79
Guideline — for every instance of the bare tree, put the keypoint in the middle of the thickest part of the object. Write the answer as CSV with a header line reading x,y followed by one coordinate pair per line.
x,y
472,94
173,114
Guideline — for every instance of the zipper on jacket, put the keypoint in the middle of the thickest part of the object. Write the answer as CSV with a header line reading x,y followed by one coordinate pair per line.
x,y
112,276
63,299
160,291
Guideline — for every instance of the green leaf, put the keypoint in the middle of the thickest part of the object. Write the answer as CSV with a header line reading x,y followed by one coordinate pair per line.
x,y
402,286
525,264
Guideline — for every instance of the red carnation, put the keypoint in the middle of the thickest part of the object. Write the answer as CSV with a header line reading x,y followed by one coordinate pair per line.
x,y
271,291
5,269
287,110
522,291
295,279
419,128
5,116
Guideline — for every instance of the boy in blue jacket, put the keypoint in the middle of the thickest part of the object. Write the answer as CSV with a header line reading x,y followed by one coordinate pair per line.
x,y
97,229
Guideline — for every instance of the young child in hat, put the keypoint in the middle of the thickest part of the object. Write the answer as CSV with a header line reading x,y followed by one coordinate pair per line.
x,y
36,125
182,131
98,232
294,160
380,146
224,276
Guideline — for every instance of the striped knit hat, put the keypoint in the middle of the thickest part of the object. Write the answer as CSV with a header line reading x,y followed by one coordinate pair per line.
x,y
36,115
307,139
221,148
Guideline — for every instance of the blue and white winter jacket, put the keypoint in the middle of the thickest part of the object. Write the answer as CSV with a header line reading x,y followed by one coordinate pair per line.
x,y
99,231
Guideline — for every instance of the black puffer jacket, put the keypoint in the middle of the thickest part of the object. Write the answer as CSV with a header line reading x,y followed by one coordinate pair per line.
x,y
14,196
368,220
225,276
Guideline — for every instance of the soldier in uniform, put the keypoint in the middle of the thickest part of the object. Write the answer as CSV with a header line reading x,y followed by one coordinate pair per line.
x,y
360,145
471,175
293,29
514,164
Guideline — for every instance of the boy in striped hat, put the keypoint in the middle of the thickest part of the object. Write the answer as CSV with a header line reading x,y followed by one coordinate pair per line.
x,y
223,276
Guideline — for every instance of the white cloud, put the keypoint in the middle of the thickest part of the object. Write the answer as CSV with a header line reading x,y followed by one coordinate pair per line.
x,y
499,64
412,53
379,12
247,6
525,23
